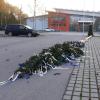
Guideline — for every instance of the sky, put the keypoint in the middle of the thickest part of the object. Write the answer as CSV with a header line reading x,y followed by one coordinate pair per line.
x,y
45,5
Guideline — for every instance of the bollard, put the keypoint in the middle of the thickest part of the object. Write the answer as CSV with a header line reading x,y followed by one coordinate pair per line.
x,y
90,30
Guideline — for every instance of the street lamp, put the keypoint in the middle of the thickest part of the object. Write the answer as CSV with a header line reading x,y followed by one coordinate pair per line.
x,y
20,14
83,14
83,20
5,18
34,24
93,13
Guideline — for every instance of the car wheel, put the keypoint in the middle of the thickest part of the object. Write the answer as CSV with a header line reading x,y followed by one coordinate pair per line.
x,y
29,35
10,34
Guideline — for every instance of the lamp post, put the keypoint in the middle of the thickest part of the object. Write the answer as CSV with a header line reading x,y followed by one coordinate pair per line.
x,y
5,18
83,20
1,19
93,13
34,23
83,14
20,14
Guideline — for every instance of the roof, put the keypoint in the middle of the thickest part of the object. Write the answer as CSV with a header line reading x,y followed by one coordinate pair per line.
x,y
36,16
77,12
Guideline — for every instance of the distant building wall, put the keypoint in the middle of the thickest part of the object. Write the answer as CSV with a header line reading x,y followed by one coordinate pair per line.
x,y
58,21
77,21
39,23
29,22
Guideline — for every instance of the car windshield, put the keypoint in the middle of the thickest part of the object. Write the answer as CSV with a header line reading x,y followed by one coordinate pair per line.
x,y
28,27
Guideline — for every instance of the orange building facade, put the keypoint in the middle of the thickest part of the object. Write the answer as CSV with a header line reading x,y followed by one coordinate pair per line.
x,y
58,21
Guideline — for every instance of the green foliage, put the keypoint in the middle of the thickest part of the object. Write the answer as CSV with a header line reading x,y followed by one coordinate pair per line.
x,y
49,58
66,47
10,14
57,52
77,52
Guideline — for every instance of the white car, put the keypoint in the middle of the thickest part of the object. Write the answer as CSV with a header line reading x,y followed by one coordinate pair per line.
x,y
49,30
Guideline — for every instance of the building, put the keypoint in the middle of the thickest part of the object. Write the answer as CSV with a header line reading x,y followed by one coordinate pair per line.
x,y
66,20
37,23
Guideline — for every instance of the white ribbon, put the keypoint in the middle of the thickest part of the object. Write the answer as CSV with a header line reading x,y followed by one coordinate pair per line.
x,y
12,78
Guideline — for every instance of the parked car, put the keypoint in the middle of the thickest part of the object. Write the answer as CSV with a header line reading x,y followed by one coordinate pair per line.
x,y
18,29
49,30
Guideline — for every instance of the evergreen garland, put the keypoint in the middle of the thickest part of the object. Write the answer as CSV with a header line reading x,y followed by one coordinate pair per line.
x,y
51,57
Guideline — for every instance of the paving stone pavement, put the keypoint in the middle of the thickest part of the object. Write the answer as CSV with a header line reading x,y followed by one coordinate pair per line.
x,y
84,81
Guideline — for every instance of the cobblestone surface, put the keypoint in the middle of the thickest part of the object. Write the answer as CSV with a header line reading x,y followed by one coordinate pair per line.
x,y
84,82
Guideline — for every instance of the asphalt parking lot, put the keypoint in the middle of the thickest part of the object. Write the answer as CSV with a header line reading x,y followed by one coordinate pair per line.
x,y
15,50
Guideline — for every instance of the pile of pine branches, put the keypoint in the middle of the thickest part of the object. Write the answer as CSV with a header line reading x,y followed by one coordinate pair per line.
x,y
51,58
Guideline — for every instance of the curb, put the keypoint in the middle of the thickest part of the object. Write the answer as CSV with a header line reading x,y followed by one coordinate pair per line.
x,y
86,39
83,41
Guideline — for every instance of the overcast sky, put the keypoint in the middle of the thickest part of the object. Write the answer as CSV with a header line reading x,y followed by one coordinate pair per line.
x,y
27,5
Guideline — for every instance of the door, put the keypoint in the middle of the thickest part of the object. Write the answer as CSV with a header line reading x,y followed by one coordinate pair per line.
x,y
22,30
